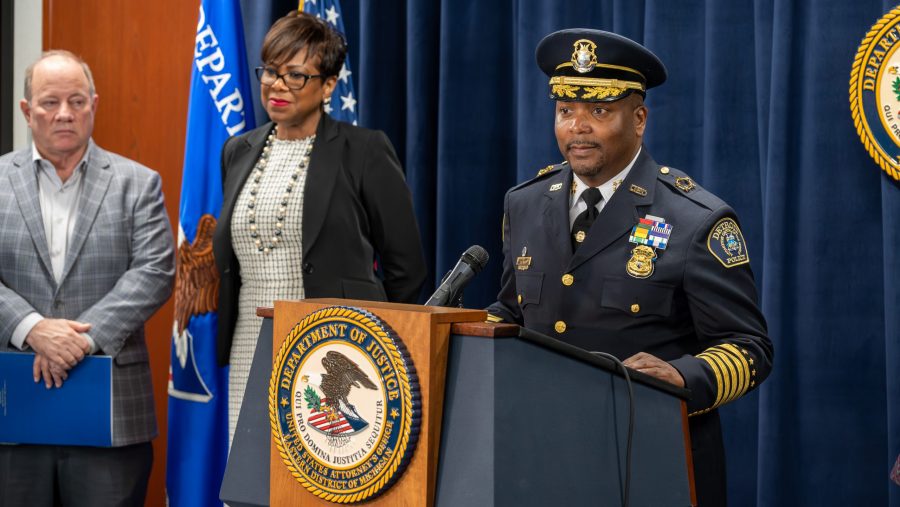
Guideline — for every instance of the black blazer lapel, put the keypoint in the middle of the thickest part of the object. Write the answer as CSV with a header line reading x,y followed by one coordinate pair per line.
x,y
246,153
620,214
324,165
23,182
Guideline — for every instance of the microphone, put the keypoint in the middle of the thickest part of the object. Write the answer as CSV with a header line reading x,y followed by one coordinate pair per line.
x,y
470,263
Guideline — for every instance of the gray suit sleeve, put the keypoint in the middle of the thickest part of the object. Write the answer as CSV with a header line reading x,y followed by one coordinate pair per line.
x,y
13,308
147,283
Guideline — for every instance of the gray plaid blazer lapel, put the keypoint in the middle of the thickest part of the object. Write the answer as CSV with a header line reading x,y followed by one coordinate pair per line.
x,y
96,181
23,181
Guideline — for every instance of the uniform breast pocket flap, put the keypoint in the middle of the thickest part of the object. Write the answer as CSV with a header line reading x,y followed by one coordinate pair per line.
x,y
638,297
528,288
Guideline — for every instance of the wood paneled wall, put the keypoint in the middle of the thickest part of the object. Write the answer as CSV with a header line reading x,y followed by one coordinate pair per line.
x,y
141,55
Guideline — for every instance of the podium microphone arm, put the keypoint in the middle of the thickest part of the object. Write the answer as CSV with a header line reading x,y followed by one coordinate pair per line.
x,y
470,263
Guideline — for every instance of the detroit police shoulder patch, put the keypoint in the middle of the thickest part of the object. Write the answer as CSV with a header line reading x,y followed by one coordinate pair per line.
x,y
727,244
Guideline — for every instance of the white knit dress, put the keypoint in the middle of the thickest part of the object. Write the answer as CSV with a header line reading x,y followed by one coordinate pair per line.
x,y
265,277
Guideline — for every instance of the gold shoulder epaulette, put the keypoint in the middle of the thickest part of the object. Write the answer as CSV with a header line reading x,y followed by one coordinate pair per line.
x,y
545,170
683,182
548,169
686,186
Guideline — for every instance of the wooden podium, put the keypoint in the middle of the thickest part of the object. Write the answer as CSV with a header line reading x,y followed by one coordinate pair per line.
x,y
425,331
508,418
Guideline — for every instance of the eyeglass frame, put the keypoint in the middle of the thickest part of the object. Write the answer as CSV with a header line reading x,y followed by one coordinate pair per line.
x,y
306,77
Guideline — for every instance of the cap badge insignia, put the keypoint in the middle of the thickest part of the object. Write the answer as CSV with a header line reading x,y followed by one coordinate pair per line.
x,y
523,262
640,265
685,184
584,59
726,243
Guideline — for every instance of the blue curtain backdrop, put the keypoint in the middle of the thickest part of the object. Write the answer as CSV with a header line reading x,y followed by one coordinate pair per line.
x,y
756,109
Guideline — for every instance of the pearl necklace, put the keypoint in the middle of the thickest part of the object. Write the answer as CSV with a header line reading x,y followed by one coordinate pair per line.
x,y
282,209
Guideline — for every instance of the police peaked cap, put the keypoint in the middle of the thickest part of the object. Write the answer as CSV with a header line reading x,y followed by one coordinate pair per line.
x,y
587,65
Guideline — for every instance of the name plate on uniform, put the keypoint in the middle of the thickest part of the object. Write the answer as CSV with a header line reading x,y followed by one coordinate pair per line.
x,y
78,413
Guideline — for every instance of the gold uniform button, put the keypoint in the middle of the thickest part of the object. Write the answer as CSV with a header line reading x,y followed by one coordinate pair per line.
x,y
560,327
635,308
664,170
568,279
519,298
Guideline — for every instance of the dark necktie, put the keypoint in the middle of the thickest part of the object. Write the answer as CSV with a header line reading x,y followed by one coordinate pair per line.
x,y
584,220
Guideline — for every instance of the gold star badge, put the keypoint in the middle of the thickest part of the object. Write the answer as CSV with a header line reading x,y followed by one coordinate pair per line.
x,y
685,184
284,402
394,413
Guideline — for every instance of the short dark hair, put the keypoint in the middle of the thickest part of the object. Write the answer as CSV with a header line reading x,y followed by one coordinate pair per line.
x,y
299,30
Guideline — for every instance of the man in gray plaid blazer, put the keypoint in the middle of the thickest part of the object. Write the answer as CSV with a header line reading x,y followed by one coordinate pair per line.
x,y
86,257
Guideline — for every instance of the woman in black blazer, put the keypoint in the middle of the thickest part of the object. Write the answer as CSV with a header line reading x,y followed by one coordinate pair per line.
x,y
308,202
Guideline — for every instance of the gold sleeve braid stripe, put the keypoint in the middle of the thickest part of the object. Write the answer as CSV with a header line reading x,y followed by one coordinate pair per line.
x,y
493,318
733,370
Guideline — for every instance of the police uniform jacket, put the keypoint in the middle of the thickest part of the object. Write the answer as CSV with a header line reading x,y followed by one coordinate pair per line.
x,y
697,310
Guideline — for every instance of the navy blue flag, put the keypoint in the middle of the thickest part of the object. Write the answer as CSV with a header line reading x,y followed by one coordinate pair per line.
x,y
343,99
220,106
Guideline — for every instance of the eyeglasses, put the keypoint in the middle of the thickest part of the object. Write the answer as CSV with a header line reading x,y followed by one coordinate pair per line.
x,y
293,80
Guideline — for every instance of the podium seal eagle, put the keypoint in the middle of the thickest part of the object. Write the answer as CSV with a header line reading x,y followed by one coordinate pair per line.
x,y
344,404
875,93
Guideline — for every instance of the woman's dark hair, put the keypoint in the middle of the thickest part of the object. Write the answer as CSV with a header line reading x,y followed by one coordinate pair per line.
x,y
298,30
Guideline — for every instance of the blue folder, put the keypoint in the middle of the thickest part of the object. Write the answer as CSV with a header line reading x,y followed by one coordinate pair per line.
x,y
78,413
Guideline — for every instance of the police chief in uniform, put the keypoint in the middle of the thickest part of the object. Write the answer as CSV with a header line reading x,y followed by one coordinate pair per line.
x,y
612,252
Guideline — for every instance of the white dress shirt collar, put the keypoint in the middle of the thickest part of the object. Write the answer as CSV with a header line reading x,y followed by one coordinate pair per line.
x,y
40,161
577,205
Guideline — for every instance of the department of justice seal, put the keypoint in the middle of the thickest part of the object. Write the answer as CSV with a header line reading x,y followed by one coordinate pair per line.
x,y
875,93
344,404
